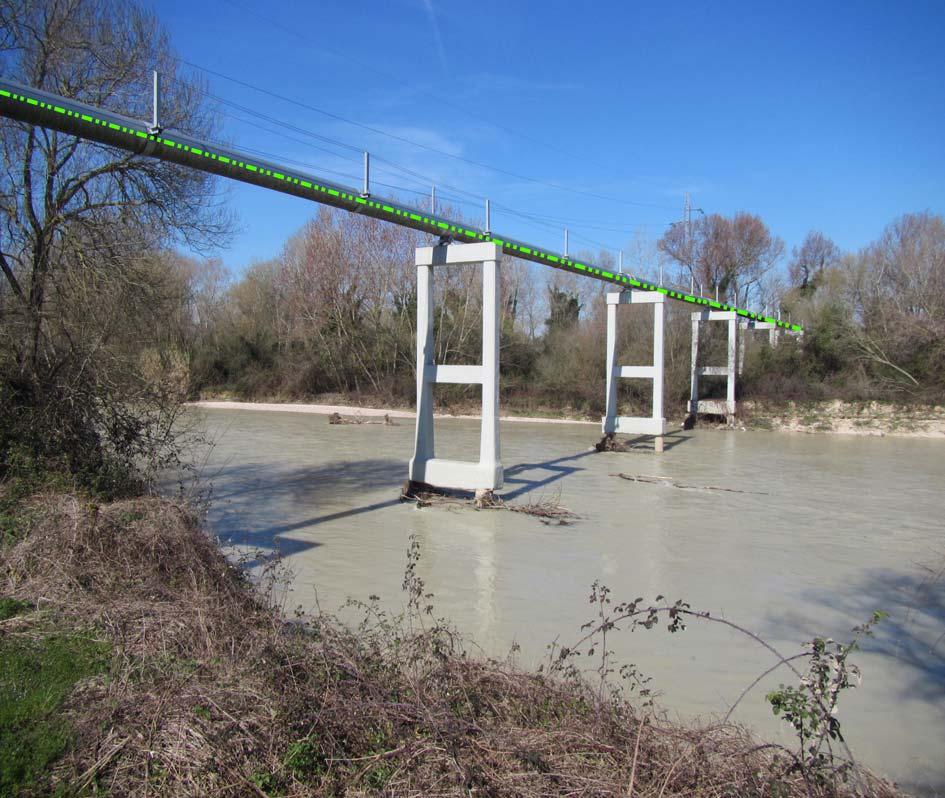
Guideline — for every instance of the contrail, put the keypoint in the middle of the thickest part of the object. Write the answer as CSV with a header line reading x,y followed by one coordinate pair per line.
x,y
428,4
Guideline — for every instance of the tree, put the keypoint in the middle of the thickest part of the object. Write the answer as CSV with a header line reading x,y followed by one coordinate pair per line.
x,y
564,309
81,225
728,255
816,254
897,289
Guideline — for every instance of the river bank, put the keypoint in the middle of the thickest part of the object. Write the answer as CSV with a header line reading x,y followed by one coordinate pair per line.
x,y
192,682
841,418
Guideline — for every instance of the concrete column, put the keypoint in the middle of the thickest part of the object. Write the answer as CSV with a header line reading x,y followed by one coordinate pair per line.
x,y
741,349
424,441
489,433
658,419
732,364
694,368
486,474
610,407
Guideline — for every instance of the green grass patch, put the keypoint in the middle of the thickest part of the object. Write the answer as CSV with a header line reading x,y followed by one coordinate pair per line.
x,y
11,606
36,676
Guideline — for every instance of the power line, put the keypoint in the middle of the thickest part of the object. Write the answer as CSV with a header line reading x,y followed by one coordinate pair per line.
x,y
427,147
549,222
393,76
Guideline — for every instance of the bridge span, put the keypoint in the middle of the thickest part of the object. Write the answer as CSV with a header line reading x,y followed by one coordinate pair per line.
x,y
458,243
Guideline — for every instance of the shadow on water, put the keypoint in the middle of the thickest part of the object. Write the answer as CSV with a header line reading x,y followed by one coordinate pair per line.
x,y
912,636
251,501
911,639
555,469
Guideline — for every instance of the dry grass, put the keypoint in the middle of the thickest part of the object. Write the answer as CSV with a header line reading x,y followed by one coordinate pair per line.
x,y
212,692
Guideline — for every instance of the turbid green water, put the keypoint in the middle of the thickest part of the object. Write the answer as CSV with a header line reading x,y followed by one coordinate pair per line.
x,y
831,528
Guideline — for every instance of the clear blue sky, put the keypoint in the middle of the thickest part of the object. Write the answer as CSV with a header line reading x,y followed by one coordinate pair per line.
x,y
825,116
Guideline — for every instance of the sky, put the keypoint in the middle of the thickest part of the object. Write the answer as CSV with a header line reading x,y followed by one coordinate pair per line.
x,y
816,116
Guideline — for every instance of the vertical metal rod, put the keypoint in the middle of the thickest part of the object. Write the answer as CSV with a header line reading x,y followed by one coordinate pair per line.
x,y
156,103
488,229
621,261
692,284
366,188
661,274
433,200
566,242
716,292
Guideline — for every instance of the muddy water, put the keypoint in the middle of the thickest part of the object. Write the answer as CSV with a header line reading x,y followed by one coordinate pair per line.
x,y
828,529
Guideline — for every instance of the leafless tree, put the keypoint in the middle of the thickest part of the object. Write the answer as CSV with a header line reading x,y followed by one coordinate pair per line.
x,y
808,263
81,223
728,255
897,289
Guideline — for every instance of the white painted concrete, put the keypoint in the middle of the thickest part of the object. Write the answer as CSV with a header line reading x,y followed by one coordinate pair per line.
x,y
655,424
714,406
487,474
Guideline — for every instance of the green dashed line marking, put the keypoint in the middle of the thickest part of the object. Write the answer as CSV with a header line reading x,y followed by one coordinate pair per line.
x,y
431,222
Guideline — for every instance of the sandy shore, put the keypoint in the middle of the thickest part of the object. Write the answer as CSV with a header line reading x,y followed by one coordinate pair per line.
x,y
363,412
838,418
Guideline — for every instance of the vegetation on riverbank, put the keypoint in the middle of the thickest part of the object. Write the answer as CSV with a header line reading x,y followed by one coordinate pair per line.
x,y
189,682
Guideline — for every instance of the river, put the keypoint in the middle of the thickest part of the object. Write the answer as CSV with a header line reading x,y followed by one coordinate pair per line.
x,y
828,529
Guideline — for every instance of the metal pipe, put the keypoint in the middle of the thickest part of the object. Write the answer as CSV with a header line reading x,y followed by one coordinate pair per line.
x,y
55,112
366,188
566,243
488,230
433,200
156,104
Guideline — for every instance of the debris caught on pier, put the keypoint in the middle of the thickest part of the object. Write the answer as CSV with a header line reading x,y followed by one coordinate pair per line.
x,y
609,443
337,418
670,482
547,509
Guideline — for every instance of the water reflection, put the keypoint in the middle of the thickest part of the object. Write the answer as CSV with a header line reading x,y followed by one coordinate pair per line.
x,y
833,528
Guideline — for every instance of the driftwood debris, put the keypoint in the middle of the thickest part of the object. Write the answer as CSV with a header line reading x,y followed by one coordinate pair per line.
x,y
547,509
670,482
337,418
609,443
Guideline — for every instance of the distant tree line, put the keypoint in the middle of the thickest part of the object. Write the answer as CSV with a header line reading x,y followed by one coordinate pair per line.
x,y
334,314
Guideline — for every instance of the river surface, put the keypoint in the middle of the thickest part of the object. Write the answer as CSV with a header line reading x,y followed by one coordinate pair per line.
x,y
828,529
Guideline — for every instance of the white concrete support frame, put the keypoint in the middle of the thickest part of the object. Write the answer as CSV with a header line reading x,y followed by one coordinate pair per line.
x,y
635,425
486,475
718,407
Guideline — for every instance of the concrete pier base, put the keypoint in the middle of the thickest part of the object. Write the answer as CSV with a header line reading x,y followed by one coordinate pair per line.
x,y
655,424
719,407
425,467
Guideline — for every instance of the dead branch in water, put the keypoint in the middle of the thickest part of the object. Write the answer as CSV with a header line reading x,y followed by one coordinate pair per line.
x,y
670,482
337,418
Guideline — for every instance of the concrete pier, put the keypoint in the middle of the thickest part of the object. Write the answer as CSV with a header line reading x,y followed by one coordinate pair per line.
x,y
425,468
655,424
719,407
